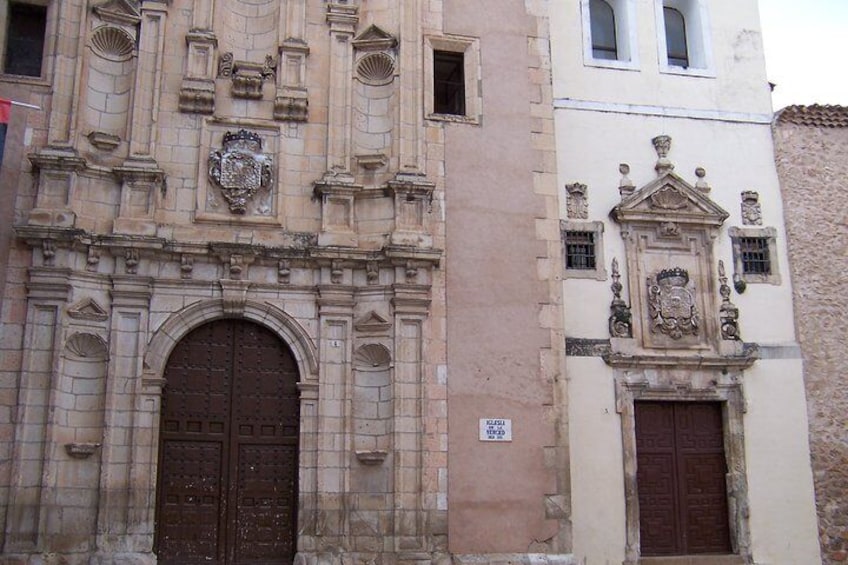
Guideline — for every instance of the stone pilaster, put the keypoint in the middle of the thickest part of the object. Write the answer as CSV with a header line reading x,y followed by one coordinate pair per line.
x,y
411,306
148,80
335,318
342,19
125,516
48,293
411,118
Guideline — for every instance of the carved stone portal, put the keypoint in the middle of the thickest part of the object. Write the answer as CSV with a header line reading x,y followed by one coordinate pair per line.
x,y
671,305
240,168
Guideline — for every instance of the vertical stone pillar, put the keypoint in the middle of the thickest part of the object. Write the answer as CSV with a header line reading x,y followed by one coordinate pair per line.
x,y
126,506
342,19
291,102
411,104
48,293
197,89
411,306
148,79
67,66
335,315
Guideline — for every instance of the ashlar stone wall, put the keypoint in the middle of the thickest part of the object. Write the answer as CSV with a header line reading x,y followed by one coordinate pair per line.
x,y
811,146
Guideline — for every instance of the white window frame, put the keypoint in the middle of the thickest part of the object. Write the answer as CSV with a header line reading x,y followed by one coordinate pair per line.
x,y
625,36
470,49
698,39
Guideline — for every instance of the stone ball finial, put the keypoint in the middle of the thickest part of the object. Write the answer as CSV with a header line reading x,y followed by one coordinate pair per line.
x,y
625,185
701,184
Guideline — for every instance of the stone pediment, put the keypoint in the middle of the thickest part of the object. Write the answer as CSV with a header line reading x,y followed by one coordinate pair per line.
x,y
669,198
374,39
124,12
87,309
372,322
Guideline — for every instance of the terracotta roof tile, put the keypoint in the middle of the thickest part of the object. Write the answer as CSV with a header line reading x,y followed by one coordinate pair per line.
x,y
817,115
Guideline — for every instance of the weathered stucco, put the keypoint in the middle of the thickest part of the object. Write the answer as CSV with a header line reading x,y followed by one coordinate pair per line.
x,y
812,162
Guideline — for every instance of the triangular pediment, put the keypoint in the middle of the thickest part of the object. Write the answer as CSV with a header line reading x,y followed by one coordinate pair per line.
x,y
124,12
374,39
87,309
372,322
669,198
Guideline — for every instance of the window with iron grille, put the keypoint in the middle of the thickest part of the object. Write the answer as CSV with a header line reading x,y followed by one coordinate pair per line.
x,y
755,255
25,32
580,250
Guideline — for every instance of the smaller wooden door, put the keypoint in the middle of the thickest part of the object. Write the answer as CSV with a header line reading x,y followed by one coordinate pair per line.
x,y
681,478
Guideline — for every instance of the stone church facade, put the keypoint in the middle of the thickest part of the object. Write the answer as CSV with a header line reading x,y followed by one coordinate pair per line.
x,y
224,320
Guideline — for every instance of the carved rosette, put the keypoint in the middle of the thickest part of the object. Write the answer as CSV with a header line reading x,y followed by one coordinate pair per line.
x,y
671,304
240,169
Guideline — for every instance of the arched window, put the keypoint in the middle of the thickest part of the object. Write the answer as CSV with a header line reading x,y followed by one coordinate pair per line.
x,y
602,17
675,38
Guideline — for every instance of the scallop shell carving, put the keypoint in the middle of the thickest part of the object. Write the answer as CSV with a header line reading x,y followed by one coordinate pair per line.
x,y
87,346
112,43
376,69
372,355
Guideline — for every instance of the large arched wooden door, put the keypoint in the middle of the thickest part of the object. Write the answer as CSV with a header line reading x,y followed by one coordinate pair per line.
x,y
228,449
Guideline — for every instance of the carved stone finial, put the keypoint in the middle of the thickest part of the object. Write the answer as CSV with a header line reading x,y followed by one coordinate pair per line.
x,y
662,144
577,203
752,213
625,185
728,313
671,304
620,320
701,184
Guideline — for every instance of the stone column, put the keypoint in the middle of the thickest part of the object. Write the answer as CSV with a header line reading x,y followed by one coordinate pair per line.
x,y
49,290
411,306
127,479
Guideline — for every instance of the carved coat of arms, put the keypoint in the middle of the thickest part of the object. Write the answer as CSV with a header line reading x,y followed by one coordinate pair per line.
x,y
240,168
671,304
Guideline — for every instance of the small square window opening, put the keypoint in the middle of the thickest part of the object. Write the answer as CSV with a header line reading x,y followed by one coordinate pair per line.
x,y
25,33
755,255
580,250
449,83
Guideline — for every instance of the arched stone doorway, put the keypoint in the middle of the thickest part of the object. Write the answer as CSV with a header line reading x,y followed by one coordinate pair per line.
x,y
228,450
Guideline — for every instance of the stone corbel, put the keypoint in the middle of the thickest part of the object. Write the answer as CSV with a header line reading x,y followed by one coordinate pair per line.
x,y
234,296
412,196
197,90
58,170
140,184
